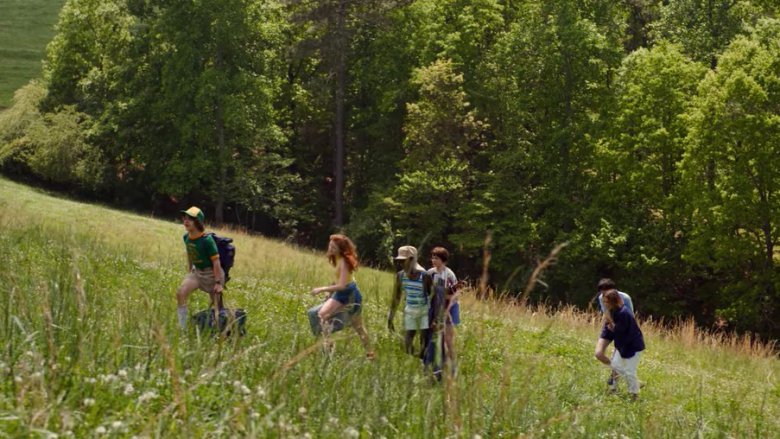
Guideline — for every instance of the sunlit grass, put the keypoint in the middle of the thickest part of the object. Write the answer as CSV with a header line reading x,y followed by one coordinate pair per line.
x,y
91,348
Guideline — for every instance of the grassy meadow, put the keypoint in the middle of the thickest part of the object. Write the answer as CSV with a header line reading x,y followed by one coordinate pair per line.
x,y
91,349
26,26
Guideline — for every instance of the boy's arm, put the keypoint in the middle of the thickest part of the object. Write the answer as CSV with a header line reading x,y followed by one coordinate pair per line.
x,y
220,282
394,303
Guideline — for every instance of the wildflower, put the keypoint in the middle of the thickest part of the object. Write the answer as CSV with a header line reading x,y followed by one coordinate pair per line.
x,y
129,389
245,390
122,373
351,432
254,415
116,425
90,380
302,411
260,391
88,402
100,430
17,379
147,396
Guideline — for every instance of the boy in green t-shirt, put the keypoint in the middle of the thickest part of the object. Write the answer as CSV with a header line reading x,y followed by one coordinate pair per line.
x,y
203,268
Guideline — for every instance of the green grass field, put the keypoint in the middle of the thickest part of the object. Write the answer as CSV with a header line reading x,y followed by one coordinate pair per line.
x,y
91,348
26,26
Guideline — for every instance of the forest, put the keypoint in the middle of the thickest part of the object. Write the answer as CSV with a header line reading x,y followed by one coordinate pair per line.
x,y
643,134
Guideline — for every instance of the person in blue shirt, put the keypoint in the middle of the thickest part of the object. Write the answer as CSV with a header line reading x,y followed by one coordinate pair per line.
x,y
602,344
621,327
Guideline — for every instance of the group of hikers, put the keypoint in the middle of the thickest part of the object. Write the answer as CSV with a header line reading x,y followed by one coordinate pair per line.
x,y
431,310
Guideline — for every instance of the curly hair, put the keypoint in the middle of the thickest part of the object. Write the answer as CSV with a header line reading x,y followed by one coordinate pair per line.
x,y
346,250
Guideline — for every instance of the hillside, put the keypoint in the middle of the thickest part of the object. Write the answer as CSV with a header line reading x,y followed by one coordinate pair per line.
x,y
26,26
88,320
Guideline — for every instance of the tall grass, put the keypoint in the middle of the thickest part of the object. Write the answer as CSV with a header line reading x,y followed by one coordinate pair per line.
x,y
92,348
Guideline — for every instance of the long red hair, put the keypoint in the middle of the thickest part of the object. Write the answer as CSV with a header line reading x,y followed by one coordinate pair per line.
x,y
346,250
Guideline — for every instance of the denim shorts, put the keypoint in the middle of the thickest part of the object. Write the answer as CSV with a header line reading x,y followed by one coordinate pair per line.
x,y
350,297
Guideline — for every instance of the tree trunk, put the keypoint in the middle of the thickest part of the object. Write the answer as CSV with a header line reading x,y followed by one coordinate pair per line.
x,y
341,61
221,162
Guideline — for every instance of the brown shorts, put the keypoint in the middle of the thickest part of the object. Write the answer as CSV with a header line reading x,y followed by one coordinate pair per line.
x,y
204,278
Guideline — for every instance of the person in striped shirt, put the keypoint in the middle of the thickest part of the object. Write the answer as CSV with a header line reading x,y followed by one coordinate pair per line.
x,y
416,286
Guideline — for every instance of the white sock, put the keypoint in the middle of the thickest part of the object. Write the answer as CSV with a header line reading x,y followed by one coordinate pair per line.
x,y
181,312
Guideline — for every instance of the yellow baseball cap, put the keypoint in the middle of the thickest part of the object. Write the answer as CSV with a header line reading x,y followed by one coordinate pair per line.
x,y
195,213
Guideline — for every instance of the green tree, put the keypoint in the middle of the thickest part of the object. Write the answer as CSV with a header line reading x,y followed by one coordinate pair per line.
x,y
550,81
705,27
634,224
733,208
443,137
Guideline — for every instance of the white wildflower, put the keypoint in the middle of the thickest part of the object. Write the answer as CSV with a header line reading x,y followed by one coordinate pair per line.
x,y
147,396
254,415
117,425
17,379
333,420
36,375
245,390
122,373
100,430
351,432
129,389
302,411
260,391
88,402
90,380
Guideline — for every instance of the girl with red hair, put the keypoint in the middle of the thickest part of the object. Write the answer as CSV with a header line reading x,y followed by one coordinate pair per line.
x,y
344,293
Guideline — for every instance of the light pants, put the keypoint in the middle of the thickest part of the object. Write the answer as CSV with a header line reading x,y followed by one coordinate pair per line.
x,y
626,367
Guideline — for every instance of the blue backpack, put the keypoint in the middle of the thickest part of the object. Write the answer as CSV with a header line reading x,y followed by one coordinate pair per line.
x,y
227,253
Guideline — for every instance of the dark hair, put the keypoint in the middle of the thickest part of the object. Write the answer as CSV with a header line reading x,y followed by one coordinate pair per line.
x,y
606,284
441,253
346,250
199,225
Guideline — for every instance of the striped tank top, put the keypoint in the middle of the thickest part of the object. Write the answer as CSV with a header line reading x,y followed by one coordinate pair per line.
x,y
415,296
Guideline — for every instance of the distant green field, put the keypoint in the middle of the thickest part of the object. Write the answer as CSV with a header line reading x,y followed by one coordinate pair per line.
x,y
91,349
26,26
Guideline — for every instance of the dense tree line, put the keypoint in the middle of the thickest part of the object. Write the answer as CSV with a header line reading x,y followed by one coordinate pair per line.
x,y
644,133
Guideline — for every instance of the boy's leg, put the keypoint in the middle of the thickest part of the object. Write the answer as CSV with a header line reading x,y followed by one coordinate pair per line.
x,y
601,349
188,285
409,341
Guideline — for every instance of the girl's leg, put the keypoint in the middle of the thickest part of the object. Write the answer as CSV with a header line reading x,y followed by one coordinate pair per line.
x,y
627,368
632,381
328,310
188,285
357,324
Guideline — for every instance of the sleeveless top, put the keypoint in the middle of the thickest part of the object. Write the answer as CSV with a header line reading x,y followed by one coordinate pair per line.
x,y
415,294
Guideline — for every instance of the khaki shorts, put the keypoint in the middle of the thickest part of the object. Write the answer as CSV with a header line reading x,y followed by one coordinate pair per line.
x,y
204,278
